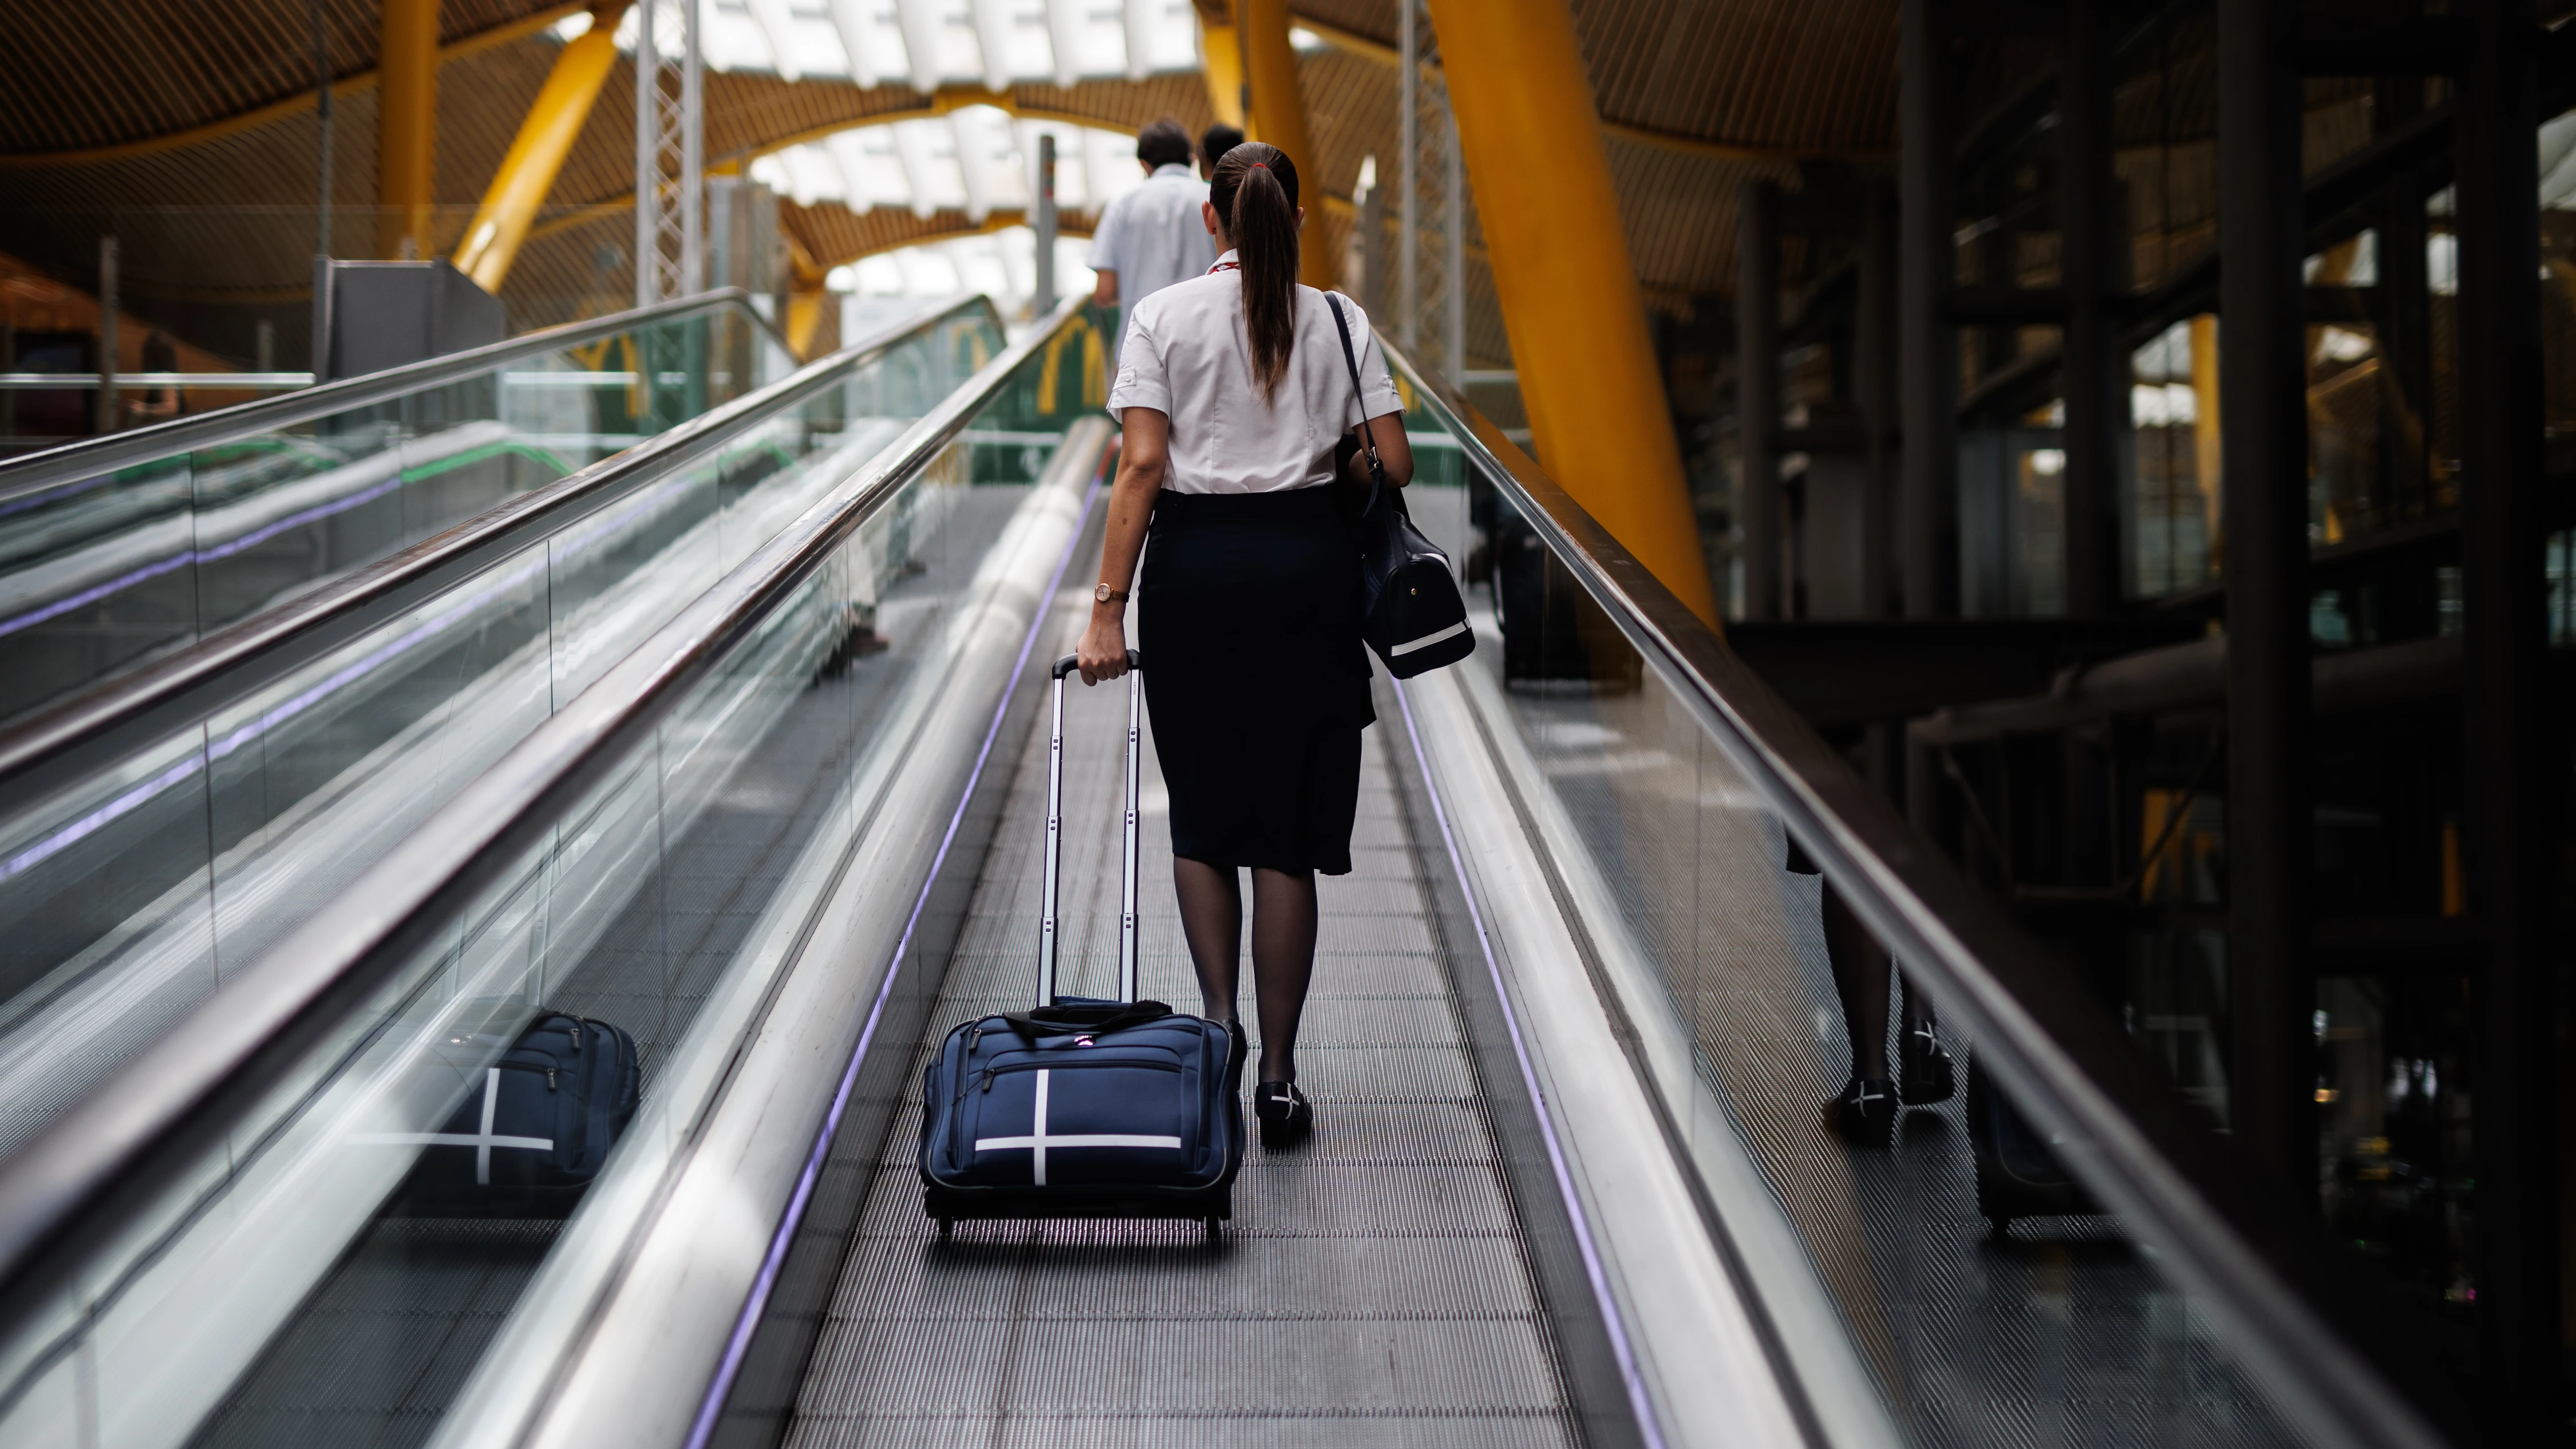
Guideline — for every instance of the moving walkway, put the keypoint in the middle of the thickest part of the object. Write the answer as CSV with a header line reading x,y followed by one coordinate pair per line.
x,y
1571,1031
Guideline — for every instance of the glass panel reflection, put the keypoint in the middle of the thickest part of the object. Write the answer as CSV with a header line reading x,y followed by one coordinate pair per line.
x,y
102,573
150,880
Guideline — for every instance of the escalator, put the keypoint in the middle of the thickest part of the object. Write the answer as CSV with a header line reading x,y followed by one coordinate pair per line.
x,y
120,549
1571,1029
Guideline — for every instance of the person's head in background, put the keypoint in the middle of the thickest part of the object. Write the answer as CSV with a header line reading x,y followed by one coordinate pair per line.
x,y
1214,142
1162,144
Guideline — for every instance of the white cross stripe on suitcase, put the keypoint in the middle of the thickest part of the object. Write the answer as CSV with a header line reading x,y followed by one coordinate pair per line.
x,y
1038,1141
482,1142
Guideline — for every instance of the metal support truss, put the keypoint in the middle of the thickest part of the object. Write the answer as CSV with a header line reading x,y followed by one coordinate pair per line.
x,y
670,231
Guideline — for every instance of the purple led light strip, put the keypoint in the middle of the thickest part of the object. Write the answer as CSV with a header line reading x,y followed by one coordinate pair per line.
x,y
738,1345
1638,1403
226,549
133,799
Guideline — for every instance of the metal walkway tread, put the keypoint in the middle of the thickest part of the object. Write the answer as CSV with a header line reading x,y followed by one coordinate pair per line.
x,y
1372,1286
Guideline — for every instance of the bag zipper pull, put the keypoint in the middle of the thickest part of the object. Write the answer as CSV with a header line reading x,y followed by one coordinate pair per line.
x,y
984,1081
550,1079
974,1037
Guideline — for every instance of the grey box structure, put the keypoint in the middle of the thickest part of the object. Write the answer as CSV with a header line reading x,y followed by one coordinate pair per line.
x,y
383,314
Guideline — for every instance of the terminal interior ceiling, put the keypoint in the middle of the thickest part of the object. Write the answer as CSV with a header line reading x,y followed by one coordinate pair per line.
x,y
2073,494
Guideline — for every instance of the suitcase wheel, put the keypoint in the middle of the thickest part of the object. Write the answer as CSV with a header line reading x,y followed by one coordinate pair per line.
x,y
1997,1224
1215,1228
947,1228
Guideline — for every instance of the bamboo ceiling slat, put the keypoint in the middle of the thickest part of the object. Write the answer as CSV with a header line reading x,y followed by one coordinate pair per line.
x,y
128,70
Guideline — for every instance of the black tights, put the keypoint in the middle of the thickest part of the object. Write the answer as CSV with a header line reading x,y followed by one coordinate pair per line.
x,y
1283,949
1861,966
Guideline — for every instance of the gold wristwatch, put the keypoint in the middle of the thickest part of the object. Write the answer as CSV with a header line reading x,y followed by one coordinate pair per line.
x,y
1103,594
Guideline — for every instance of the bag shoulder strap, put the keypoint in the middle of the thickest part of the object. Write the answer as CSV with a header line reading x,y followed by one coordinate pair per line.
x,y
1351,361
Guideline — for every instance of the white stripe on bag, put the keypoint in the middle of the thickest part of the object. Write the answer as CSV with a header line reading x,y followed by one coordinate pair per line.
x,y
482,1143
1038,1141
1427,640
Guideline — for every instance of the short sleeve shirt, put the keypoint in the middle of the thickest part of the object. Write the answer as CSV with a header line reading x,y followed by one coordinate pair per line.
x,y
1154,235
1188,356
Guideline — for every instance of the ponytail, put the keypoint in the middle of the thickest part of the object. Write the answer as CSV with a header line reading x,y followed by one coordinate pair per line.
x,y
1255,191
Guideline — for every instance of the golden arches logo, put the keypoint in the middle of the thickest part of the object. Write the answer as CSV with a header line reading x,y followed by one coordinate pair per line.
x,y
1095,366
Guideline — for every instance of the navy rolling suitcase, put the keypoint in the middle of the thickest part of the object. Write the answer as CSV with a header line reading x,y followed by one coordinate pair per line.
x,y
1079,1107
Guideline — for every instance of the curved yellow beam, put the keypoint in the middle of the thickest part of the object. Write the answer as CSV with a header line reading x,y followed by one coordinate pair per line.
x,y
1531,138
1221,47
545,138
1279,114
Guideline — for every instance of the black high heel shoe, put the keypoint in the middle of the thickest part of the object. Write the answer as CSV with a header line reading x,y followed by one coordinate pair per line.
x,y
1923,1066
1235,1058
1865,1114
1286,1117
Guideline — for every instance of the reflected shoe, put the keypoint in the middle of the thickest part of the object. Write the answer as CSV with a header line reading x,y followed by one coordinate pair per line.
x,y
1923,1066
1286,1117
1865,1114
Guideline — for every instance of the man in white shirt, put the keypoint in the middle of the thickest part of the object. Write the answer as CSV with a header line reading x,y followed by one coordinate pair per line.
x,y
1153,236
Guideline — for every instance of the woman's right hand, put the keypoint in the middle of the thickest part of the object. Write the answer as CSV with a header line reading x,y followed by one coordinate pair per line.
x,y
1103,651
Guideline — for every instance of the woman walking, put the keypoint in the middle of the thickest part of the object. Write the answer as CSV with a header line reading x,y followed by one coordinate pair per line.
x,y
1234,400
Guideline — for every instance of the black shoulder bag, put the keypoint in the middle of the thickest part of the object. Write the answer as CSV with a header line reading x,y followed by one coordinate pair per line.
x,y
1410,610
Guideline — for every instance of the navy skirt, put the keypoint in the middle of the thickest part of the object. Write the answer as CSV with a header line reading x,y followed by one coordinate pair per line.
x,y
1247,613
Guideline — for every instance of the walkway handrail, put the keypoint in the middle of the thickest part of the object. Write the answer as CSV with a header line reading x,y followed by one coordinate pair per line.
x,y
95,1170
2125,1134
49,737
90,457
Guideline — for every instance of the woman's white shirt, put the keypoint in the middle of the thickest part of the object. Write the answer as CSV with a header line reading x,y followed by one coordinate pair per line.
x,y
1187,356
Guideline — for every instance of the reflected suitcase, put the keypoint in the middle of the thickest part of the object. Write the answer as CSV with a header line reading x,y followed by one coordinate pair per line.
x,y
1079,1107
528,1138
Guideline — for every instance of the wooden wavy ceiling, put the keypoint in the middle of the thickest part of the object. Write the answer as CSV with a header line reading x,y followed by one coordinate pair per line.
x,y
228,215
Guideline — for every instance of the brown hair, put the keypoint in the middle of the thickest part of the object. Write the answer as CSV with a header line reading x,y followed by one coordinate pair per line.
x,y
1255,190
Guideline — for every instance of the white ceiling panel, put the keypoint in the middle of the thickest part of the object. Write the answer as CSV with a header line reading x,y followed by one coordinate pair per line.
x,y
932,43
1002,263
975,158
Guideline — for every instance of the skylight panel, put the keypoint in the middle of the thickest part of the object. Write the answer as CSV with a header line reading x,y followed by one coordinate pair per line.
x,y
871,41
871,172
929,153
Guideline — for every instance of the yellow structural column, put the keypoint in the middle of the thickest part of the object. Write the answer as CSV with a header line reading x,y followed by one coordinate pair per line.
x,y
1222,45
1279,118
406,125
1531,139
545,138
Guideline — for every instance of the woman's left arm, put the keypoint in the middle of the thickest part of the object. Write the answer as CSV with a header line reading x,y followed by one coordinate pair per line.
x,y
1144,452
1394,452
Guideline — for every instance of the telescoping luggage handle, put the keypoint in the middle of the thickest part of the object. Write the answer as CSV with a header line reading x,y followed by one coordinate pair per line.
x,y
1055,832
